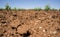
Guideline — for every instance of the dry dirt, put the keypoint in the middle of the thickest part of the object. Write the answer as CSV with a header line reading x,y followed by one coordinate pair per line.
x,y
29,23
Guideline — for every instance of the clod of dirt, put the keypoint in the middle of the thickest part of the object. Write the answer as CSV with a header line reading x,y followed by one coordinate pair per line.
x,y
58,30
15,23
54,16
1,16
3,22
15,15
19,25
1,35
35,16
26,34
26,18
12,34
13,27
4,31
22,23
1,31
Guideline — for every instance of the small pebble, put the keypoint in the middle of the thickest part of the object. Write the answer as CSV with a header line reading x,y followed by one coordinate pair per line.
x,y
43,30
40,27
54,32
49,35
50,16
0,24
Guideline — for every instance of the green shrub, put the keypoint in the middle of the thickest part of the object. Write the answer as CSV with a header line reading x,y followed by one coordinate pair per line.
x,y
7,7
37,9
47,7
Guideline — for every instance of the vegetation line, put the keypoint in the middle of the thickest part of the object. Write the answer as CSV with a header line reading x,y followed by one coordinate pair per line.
x,y
47,7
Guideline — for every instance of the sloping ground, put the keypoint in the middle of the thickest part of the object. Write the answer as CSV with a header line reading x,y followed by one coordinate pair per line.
x,y
29,23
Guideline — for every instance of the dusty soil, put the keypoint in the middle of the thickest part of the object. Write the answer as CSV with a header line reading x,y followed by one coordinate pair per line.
x,y
29,23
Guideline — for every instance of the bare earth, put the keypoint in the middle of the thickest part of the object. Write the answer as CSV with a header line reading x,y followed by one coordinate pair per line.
x,y
29,23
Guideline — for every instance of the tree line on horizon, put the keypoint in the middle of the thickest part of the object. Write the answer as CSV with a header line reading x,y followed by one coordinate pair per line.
x,y
47,7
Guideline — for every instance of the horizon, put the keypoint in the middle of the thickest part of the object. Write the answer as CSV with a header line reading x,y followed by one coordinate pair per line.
x,y
30,4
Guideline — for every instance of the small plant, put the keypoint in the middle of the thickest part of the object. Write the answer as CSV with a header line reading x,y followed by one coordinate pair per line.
x,y
37,9
7,7
47,7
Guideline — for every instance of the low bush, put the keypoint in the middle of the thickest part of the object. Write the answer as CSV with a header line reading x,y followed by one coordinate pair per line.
x,y
7,7
47,7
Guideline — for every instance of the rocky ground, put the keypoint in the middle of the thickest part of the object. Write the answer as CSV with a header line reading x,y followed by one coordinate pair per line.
x,y
29,23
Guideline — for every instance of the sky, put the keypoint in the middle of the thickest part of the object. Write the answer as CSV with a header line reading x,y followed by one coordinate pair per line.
x,y
29,4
